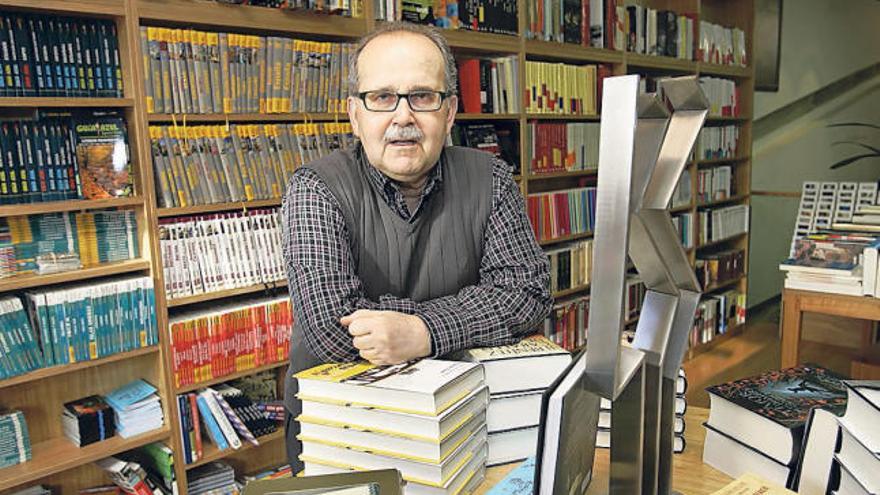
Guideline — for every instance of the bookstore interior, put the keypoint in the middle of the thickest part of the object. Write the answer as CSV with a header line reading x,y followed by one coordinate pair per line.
x,y
155,300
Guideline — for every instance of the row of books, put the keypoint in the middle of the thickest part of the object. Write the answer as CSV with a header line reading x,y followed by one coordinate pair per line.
x,y
836,263
684,223
562,147
682,196
717,224
348,8
215,164
214,478
498,17
208,72
562,213
130,410
721,267
148,470
496,138
715,184
56,242
570,265
427,419
566,325
489,85
557,88
723,96
634,292
16,445
229,338
717,142
657,32
77,323
64,156
225,415
46,55
210,253
722,45
561,22
716,314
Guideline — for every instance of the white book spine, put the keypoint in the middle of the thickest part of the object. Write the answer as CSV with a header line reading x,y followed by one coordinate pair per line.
x,y
222,420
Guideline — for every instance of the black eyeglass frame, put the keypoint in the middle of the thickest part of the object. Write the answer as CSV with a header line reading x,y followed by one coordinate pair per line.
x,y
443,96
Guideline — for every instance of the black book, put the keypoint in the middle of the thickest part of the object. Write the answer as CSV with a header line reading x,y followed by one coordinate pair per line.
x,y
671,33
25,57
10,56
88,420
571,21
487,105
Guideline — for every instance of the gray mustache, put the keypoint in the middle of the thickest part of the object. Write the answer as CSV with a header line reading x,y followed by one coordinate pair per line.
x,y
408,133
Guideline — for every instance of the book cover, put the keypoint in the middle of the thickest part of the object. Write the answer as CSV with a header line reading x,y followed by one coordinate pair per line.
x,y
102,156
532,346
786,396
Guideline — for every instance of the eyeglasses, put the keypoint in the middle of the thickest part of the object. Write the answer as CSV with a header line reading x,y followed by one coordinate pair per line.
x,y
386,101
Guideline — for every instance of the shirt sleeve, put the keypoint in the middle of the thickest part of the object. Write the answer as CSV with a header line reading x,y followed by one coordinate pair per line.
x,y
323,281
512,297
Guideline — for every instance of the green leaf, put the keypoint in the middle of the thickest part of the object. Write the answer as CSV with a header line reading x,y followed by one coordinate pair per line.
x,y
854,124
863,145
852,159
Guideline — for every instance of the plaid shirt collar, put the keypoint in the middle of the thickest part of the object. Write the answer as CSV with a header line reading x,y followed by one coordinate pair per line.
x,y
391,190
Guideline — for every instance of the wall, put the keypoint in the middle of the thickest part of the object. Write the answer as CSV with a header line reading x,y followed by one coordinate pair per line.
x,y
822,41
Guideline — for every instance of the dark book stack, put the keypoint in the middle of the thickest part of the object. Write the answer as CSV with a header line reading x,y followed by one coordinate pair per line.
x,y
756,424
497,139
721,267
15,446
88,420
245,409
490,16
58,56
214,477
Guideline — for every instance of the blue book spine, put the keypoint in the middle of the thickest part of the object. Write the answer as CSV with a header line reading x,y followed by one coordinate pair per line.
x,y
211,423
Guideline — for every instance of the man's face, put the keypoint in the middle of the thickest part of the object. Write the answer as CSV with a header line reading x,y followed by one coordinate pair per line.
x,y
402,144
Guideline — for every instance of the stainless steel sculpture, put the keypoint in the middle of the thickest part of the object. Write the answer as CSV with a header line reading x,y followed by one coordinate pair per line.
x,y
645,140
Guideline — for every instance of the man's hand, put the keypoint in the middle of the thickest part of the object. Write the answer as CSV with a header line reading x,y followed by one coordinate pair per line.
x,y
388,337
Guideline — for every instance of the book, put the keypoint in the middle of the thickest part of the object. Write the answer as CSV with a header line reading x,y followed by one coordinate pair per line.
x,y
384,482
768,412
102,156
735,458
511,445
815,471
531,364
427,387
862,461
88,420
513,410
519,481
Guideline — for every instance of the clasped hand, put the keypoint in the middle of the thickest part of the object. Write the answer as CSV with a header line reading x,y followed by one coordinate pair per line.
x,y
387,337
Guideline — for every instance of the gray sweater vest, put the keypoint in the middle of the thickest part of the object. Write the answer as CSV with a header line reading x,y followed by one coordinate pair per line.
x,y
435,255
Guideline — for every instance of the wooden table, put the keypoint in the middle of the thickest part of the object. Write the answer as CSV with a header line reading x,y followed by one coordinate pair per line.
x,y
689,475
796,302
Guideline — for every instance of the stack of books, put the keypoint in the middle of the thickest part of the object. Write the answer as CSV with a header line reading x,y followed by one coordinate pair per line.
x,y
757,424
129,476
841,264
517,376
603,434
424,418
88,420
217,478
137,408
858,457
15,446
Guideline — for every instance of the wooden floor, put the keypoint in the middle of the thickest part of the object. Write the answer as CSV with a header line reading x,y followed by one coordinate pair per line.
x,y
757,350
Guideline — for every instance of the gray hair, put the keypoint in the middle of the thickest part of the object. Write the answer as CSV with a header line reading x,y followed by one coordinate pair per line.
x,y
430,32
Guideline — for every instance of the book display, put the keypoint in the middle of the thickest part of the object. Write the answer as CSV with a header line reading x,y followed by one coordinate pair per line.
x,y
146,145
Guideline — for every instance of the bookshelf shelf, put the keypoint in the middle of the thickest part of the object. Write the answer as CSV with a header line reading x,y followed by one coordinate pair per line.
x,y
223,294
44,373
565,117
217,207
721,119
29,281
721,161
249,18
706,346
92,7
231,376
64,102
723,70
570,291
723,285
486,116
74,205
246,117
59,454
211,453
721,241
557,175
472,41
733,199
572,237
570,52
666,64
681,209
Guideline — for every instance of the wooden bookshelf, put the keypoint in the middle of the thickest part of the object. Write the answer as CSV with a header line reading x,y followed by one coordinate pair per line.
x,y
570,291
737,198
72,205
719,242
223,294
41,392
723,285
231,376
211,453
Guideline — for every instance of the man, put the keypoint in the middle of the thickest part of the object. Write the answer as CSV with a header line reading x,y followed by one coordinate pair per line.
x,y
400,248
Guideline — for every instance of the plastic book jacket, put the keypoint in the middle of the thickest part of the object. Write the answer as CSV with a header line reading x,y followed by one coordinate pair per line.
x,y
532,346
102,156
426,375
786,396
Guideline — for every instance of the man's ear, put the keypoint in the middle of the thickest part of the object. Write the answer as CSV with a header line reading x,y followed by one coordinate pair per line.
x,y
452,101
352,115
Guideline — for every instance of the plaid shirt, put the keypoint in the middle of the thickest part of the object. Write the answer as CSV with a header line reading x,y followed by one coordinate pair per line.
x,y
510,300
